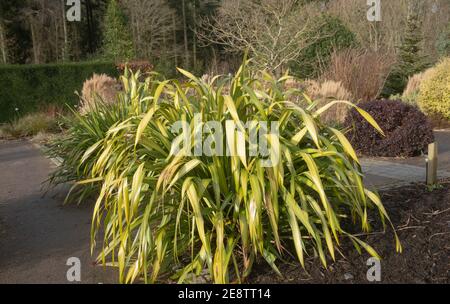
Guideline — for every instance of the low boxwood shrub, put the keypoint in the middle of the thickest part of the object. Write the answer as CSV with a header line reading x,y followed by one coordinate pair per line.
x,y
28,88
162,215
407,130
434,96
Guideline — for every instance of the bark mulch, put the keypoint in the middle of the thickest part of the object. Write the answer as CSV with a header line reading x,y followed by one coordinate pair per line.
x,y
422,220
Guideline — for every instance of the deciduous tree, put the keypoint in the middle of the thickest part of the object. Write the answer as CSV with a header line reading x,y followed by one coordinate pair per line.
x,y
274,31
152,26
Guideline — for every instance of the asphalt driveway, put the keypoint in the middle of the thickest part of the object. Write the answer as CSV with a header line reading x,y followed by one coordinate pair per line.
x,y
37,234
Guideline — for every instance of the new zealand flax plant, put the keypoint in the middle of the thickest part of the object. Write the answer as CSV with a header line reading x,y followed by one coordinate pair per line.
x,y
162,215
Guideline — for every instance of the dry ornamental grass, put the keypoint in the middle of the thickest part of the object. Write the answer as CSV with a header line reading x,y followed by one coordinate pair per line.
x,y
362,72
99,88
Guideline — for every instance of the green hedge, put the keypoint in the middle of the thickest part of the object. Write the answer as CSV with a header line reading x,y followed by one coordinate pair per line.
x,y
29,88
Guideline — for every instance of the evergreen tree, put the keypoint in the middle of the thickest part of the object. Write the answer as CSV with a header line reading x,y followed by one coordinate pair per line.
x,y
411,59
117,43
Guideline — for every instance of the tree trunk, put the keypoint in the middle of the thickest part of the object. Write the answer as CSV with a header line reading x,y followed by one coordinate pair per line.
x,y
214,66
136,35
90,26
194,37
57,54
164,51
186,47
34,42
175,40
66,40
3,45
139,40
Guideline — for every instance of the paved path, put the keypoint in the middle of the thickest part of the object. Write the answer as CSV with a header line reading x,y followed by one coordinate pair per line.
x,y
37,234
386,174
393,172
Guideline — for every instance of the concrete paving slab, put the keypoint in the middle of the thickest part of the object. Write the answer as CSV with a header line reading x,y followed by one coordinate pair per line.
x,y
380,182
404,172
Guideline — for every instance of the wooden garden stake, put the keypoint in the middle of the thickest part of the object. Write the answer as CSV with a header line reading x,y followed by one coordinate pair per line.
x,y
432,164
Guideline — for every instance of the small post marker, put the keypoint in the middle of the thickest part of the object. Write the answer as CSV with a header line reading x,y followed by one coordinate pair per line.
x,y
432,164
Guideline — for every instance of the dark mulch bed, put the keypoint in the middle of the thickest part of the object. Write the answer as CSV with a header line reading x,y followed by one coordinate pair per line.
x,y
422,220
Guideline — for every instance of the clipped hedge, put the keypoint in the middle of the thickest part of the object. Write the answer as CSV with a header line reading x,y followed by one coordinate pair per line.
x,y
28,88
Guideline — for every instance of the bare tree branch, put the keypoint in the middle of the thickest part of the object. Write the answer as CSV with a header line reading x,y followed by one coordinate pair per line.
x,y
152,27
275,32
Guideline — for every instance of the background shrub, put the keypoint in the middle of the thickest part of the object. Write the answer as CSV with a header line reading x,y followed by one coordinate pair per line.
x,y
323,92
443,42
33,87
411,59
331,34
351,66
412,90
434,96
407,130
326,92
136,65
